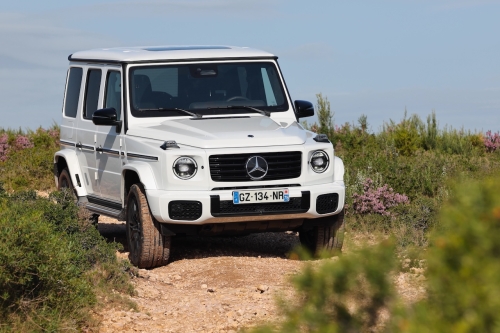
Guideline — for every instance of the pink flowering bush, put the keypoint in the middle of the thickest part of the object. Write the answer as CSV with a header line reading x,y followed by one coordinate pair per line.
x,y
376,201
4,147
491,141
23,142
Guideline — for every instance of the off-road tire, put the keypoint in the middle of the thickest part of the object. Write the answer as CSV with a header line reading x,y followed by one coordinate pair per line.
x,y
147,247
325,238
64,182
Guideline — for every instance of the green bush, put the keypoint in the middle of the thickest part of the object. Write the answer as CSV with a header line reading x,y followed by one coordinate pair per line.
x,y
463,270
50,255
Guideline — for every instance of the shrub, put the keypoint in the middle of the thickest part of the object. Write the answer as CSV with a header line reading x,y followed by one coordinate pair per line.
x,y
26,159
48,259
491,141
23,142
377,201
463,272
4,147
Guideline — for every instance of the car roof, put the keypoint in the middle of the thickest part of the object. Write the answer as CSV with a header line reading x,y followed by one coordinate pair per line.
x,y
168,53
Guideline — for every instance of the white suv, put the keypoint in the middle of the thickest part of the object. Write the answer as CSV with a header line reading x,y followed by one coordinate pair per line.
x,y
195,140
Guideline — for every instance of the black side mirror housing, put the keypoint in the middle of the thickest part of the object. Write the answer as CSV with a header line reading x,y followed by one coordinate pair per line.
x,y
304,109
107,117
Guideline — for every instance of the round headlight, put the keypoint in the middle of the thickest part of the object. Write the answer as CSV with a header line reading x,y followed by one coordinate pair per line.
x,y
319,161
185,167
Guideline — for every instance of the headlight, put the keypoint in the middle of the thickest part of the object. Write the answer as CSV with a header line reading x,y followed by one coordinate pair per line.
x,y
319,161
185,167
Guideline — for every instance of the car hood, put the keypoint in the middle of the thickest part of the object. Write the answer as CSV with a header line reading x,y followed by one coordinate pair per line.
x,y
224,132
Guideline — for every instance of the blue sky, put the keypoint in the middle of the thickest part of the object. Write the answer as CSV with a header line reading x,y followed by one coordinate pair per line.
x,y
376,58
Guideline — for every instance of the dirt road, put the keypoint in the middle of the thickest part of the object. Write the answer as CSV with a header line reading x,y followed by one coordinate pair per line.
x,y
214,284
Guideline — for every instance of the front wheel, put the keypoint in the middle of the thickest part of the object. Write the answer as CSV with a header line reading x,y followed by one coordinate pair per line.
x,y
148,248
328,237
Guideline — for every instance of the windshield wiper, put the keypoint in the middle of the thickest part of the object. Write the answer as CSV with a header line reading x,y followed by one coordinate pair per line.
x,y
193,114
265,113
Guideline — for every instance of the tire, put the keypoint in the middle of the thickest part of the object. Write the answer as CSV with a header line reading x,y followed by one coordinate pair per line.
x,y
64,182
148,248
325,238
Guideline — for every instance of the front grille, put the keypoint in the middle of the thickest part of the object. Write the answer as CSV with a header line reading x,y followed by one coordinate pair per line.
x,y
327,203
184,210
227,208
232,167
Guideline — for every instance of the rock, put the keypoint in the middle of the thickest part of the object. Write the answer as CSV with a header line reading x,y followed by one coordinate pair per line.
x,y
211,290
262,288
204,286
177,277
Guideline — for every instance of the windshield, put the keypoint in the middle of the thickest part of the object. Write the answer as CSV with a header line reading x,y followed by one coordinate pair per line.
x,y
207,88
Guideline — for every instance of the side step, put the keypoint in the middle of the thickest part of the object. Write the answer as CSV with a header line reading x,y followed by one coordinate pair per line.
x,y
102,206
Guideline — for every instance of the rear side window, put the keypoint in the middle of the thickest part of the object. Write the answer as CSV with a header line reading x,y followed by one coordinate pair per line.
x,y
113,97
92,92
73,92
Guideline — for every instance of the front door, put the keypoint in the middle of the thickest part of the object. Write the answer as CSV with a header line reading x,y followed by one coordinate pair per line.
x,y
86,130
109,142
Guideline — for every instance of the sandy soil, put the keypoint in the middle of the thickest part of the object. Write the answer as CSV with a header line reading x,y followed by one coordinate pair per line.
x,y
216,284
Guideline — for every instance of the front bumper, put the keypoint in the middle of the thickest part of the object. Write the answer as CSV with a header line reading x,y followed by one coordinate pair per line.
x,y
217,207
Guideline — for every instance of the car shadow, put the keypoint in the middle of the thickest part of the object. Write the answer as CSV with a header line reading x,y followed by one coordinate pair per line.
x,y
265,245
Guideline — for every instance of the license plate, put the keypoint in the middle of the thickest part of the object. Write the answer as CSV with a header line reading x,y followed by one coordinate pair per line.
x,y
261,196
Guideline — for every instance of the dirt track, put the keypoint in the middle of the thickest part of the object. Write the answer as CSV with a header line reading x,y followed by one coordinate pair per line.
x,y
215,284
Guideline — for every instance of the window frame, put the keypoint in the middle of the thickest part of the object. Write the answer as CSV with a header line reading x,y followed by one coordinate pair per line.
x,y
84,108
108,72
68,76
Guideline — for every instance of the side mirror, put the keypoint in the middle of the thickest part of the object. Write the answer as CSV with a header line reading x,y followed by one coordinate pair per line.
x,y
106,117
304,109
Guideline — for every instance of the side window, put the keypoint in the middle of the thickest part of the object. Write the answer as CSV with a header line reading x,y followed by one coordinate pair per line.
x,y
73,92
113,96
92,92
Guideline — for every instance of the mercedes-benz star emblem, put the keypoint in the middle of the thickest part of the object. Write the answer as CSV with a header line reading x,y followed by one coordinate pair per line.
x,y
256,167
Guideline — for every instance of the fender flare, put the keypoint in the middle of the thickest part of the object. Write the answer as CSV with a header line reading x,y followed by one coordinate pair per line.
x,y
145,173
338,170
74,169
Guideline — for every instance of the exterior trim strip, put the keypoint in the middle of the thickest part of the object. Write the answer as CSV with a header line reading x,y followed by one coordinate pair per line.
x,y
102,61
66,143
146,157
108,151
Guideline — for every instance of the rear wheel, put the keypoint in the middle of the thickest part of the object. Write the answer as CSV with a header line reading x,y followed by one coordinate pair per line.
x,y
64,182
328,237
148,248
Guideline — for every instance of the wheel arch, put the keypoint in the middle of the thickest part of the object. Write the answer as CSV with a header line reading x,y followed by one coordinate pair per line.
x,y
68,159
134,173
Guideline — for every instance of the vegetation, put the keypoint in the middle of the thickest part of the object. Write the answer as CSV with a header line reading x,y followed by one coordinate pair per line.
x,y
54,264
26,158
398,178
